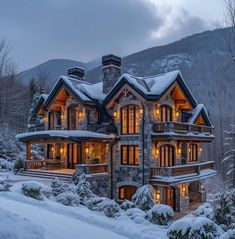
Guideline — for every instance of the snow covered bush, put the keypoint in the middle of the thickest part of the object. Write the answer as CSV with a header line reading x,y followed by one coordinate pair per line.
x,y
136,214
93,203
109,207
204,210
68,199
59,186
4,164
230,234
5,184
19,163
194,228
83,189
160,214
32,189
127,205
46,191
143,197
224,209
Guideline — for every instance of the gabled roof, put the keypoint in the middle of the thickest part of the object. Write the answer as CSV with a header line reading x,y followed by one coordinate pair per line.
x,y
200,109
38,105
152,87
84,91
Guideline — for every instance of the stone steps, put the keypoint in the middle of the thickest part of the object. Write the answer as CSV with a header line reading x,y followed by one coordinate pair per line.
x,y
43,174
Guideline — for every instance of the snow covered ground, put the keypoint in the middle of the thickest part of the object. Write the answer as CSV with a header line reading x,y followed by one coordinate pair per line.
x,y
48,219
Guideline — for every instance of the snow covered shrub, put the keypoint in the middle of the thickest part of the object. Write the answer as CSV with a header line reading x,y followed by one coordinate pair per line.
x,y
204,210
160,214
5,184
143,197
230,234
59,186
46,191
93,203
224,209
32,189
19,164
194,228
4,164
109,207
127,205
83,189
136,214
68,199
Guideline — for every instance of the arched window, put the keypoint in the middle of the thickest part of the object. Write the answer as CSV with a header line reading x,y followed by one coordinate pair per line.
x,y
130,119
166,113
126,192
167,155
193,152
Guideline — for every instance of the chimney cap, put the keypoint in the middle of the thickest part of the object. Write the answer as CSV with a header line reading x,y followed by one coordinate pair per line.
x,y
111,60
78,72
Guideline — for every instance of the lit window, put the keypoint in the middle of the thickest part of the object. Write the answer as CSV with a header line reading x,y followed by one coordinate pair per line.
x,y
129,154
167,155
157,196
130,120
193,152
166,113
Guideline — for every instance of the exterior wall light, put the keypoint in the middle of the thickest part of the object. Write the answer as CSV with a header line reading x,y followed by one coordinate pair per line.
x,y
179,150
200,149
157,151
45,119
61,150
141,111
87,150
157,112
115,114
177,114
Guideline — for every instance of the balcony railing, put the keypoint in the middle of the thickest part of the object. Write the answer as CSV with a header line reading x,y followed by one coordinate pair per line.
x,y
92,168
181,128
180,170
43,164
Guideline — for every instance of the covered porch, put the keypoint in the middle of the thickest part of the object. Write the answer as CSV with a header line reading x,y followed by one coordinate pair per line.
x,y
84,151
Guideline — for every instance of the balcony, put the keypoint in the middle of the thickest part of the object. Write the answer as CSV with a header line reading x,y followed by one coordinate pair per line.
x,y
182,129
186,172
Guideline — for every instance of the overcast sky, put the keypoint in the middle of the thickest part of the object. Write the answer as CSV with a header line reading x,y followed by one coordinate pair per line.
x,y
39,30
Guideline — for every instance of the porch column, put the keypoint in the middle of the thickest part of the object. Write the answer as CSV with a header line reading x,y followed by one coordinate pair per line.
x,y
28,151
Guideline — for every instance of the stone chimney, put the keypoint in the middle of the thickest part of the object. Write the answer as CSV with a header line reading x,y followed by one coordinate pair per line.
x,y
76,72
111,71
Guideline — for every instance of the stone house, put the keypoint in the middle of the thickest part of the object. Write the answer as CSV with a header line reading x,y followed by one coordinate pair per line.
x,y
124,131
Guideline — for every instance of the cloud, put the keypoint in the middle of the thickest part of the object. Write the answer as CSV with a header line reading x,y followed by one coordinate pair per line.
x,y
82,30
87,29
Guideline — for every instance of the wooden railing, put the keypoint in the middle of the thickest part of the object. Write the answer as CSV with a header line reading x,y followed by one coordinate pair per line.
x,y
194,168
181,128
46,164
92,168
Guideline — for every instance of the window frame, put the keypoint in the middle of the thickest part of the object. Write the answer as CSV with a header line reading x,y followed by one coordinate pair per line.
x,y
168,151
166,112
193,153
127,121
130,160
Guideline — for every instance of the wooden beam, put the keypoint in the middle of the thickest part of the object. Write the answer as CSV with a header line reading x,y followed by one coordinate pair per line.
x,y
28,151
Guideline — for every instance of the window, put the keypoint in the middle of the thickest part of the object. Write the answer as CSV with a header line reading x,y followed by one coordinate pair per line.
x,y
71,119
50,151
167,155
51,120
130,155
58,118
157,196
166,113
193,152
130,120
126,192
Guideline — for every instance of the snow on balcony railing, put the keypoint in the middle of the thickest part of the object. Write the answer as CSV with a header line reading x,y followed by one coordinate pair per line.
x,y
179,170
182,128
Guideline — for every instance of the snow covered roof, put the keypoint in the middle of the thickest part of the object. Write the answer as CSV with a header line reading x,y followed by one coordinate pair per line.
x,y
200,109
65,134
38,105
80,89
151,87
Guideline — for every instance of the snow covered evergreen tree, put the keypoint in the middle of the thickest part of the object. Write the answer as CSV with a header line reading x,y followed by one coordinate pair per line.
x,y
143,197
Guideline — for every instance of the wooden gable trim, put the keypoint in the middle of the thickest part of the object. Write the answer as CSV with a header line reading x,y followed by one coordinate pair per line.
x,y
205,117
55,91
130,89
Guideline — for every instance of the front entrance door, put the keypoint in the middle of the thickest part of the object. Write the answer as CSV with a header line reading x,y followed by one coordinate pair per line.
x,y
73,155
169,195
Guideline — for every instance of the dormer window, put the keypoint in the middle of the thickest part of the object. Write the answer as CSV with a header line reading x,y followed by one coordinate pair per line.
x,y
130,120
166,113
